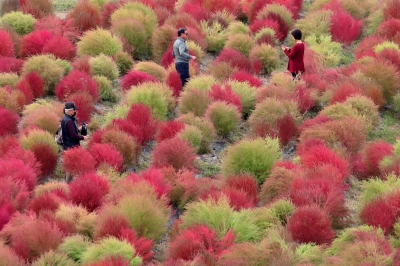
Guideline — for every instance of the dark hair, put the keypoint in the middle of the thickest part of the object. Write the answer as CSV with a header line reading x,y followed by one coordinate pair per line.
x,y
180,31
296,34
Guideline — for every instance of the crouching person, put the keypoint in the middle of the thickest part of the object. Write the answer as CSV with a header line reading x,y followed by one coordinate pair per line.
x,y
70,131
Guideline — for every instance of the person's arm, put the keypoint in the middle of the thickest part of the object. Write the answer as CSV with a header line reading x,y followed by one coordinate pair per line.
x,y
291,53
182,52
71,130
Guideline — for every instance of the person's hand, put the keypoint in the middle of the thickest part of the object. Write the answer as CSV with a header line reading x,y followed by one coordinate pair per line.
x,y
80,128
283,47
85,137
194,58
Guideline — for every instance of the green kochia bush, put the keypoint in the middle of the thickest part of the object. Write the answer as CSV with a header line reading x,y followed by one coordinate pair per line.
x,y
103,65
224,117
21,23
74,246
105,88
54,258
324,46
255,157
111,247
97,42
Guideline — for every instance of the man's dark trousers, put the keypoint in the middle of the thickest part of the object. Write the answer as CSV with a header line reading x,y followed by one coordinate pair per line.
x,y
183,70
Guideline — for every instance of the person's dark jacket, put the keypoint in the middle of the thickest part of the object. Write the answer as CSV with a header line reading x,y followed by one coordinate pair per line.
x,y
70,135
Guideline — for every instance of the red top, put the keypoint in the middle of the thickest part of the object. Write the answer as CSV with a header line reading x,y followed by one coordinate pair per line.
x,y
296,56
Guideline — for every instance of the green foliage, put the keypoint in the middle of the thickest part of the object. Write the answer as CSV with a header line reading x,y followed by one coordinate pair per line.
x,y
161,40
386,45
265,32
111,247
194,47
21,23
36,136
374,21
238,27
146,214
279,10
157,96
309,253
267,55
202,82
315,23
194,101
388,131
216,35
255,157
48,69
282,210
99,41
209,169
103,65
241,42
193,135
324,46
65,65
10,79
99,3
152,69
376,188
224,117
54,258
106,89
246,93
64,5
124,62
74,246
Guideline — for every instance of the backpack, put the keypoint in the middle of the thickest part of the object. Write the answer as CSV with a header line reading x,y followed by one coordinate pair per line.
x,y
58,138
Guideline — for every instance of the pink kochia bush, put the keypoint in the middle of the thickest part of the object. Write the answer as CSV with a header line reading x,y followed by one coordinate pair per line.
x,y
134,78
140,115
33,43
106,154
78,161
143,246
155,178
74,82
174,152
18,172
225,94
89,191
10,64
8,122
244,76
61,47
344,28
379,213
310,224
174,82
34,83
169,130
234,58
7,44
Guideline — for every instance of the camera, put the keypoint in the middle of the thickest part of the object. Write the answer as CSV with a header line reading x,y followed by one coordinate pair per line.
x,y
84,129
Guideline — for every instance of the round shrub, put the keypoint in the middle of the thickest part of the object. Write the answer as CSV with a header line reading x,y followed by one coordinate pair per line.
x,y
43,118
203,82
7,44
278,9
135,78
162,39
111,248
103,65
12,100
173,152
221,71
324,46
74,246
124,62
266,36
192,135
84,101
267,55
317,22
9,79
9,122
21,23
74,82
37,136
225,117
33,43
194,101
99,41
152,69
254,157
48,69
247,95
11,64
106,154
216,36
157,96
54,258
106,89
61,47
85,16
73,161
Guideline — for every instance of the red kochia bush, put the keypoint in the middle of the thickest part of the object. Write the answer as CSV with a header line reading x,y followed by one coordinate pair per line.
x,y
226,94
155,178
143,246
18,171
259,24
58,27
245,183
7,44
234,59
85,16
169,130
372,155
303,98
106,154
48,201
10,64
111,261
14,193
6,210
389,28
174,82
84,102
134,78
34,42
196,11
379,213
199,240
345,91
345,28
167,58
89,191
310,224
126,126
77,81
238,199
61,47
82,64
108,9
244,76
35,83
174,152
78,161
8,122
140,115
46,156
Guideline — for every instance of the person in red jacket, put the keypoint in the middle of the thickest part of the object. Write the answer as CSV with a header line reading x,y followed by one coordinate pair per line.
x,y
296,55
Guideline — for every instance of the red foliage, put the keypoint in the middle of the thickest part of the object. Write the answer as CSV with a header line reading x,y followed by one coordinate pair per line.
x,y
372,155
108,154
225,94
174,152
140,115
196,10
285,129
344,28
82,64
6,210
367,45
10,64
174,83
84,101
18,171
48,201
143,246
35,83
126,126
392,56
108,9
302,95
33,43
58,27
318,120
38,9
259,24
379,213
12,192
89,191
391,10
61,47
112,225
167,58
199,240
197,36
78,161
77,81
7,44
345,91
156,179
134,78
244,76
112,261
169,129
234,58
389,28
310,224
24,87
162,14
85,16
8,121
255,6
283,28
238,199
